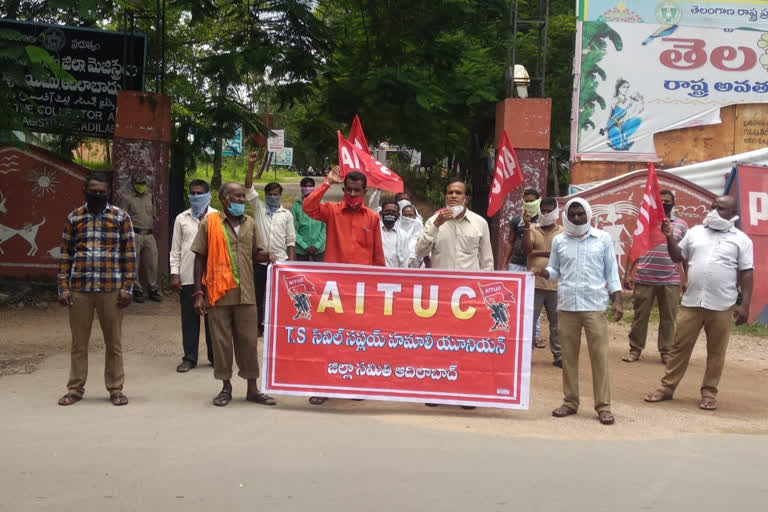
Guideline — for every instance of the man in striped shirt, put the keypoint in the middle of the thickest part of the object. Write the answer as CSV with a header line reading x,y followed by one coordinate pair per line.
x,y
658,277
97,270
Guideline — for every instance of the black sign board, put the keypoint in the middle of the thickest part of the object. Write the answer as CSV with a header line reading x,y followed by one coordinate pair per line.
x,y
101,64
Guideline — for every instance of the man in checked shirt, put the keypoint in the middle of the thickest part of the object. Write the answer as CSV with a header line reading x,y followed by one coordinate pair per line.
x,y
96,273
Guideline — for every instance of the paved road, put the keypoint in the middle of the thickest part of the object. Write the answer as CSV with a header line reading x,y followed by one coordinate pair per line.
x,y
169,449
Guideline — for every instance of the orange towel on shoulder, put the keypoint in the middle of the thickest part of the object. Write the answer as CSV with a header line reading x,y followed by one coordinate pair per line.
x,y
221,268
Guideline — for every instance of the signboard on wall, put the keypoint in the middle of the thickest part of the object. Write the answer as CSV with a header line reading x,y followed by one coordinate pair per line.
x,y
101,62
638,79
698,13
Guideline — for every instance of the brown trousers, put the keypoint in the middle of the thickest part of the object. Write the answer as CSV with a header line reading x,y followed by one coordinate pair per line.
x,y
235,327
146,261
80,323
642,303
595,325
717,327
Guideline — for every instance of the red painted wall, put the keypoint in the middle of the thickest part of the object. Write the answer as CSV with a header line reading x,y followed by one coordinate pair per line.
x,y
38,192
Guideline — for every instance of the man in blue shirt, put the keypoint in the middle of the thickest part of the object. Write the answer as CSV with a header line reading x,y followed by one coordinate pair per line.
x,y
584,260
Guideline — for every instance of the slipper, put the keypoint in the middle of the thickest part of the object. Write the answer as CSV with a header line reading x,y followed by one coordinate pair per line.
x,y
606,418
318,400
261,398
223,398
539,343
69,399
118,399
657,396
708,403
563,411
631,357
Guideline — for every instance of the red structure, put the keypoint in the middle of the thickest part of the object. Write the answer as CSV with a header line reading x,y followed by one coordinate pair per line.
x,y
527,122
142,146
37,191
616,203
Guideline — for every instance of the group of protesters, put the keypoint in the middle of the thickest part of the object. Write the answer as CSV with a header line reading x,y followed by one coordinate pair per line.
x,y
219,260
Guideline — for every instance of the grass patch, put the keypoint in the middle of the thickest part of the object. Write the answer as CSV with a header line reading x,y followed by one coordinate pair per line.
x,y
755,329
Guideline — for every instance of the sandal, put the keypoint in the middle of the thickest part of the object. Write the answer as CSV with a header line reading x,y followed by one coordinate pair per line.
x,y
606,418
69,399
539,343
318,400
223,398
261,398
708,403
631,357
657,396
118,399
563,411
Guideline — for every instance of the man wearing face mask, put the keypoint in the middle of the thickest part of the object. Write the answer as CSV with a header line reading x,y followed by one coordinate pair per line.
x,y
584,259
182,266
277,228
353,232
537,244
97,269
310,233
456,237
140,205
412,226
226,246
658,277
514,258
720,257
394,241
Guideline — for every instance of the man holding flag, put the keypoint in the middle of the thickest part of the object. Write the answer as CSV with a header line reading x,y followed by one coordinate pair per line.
x,y
658,277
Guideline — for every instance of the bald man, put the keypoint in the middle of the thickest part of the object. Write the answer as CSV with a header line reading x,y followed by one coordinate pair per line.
x,y
720,257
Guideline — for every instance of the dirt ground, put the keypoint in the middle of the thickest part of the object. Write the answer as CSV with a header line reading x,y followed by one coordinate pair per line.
x,y
30,335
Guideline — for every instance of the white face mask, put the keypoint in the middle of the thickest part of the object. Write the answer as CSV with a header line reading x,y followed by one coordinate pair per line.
x,y
410,226
548,219
713,220
574,229
456,210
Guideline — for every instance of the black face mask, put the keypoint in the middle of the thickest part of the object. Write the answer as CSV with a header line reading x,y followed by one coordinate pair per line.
x,y
668,209
96,202
389,218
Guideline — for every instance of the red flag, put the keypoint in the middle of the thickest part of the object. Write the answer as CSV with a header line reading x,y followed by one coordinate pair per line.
x,y
648,229
299,284
357,137
353,159
496,290
506,177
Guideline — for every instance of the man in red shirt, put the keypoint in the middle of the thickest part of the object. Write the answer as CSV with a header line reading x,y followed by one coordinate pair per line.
x,y
353,233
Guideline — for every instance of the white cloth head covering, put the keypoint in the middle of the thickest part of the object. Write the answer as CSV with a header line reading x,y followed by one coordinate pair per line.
x,y
574,229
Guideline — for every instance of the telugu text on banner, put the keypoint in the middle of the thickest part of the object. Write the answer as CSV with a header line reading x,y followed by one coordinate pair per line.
x,y
415,335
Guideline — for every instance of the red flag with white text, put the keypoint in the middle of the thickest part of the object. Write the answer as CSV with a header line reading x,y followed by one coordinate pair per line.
x,y
648,233
352,158
506,177
357,137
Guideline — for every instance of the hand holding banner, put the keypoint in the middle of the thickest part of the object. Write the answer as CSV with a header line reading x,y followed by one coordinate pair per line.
x,y
648,232
352,158
506,177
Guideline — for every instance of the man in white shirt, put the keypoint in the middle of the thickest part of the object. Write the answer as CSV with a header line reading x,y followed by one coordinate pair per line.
x,y
457,238
412,226
182,279
394,240
276,223
719,258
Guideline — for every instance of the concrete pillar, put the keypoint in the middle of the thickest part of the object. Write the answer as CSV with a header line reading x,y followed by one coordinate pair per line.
x,y
527,122
141,145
